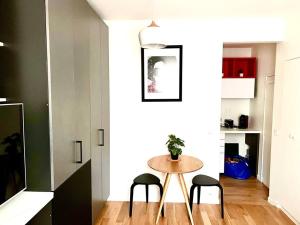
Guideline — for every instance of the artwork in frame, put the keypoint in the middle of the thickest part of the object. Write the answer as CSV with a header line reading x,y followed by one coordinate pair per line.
x,y
162,74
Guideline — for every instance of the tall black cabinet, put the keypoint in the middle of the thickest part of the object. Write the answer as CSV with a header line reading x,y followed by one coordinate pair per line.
x,y
55,61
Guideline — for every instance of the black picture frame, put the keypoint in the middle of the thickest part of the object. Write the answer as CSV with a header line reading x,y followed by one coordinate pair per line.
x,y
169,57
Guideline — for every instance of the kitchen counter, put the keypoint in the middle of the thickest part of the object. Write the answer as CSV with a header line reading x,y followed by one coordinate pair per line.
x,y
239,131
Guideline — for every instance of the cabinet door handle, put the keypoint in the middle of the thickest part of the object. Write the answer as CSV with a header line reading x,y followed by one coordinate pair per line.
x,y
101,137
80,144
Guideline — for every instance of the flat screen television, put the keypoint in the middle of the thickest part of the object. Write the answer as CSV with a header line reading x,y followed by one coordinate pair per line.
x,y
12,151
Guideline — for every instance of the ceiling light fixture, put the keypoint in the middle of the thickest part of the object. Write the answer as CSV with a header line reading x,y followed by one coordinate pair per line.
x,y
152,37
1,44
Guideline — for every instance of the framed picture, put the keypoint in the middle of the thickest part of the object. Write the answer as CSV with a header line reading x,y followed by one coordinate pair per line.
x,y
162,74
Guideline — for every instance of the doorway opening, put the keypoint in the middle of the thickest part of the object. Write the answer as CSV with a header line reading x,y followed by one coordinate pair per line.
x,y
248,77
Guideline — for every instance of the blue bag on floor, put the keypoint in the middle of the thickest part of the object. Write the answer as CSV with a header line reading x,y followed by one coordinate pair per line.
x,y
237,167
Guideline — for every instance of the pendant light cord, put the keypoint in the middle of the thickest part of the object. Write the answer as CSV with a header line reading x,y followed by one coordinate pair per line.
x,y
153,24
153,11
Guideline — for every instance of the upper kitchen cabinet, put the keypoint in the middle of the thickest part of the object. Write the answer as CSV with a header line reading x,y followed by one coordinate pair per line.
x,y
238,88
238,77
243,67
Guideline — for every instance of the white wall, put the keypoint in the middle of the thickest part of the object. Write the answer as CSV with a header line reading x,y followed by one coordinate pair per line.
x,y
285,158
261,106
139,129
237,52
233,108
252,30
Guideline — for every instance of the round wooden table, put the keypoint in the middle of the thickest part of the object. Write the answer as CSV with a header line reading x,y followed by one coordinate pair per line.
x,y
185,164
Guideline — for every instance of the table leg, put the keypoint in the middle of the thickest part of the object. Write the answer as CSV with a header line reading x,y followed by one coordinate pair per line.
x,y
166,185
185,188
186,197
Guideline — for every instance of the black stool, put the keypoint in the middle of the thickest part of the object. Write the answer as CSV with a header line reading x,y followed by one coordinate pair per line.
x,y
203,180
145,179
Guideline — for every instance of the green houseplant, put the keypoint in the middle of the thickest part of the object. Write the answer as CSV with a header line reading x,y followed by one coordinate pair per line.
x,y
175,145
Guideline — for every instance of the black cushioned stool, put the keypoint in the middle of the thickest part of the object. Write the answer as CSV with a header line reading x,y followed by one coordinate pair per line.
x,y
203,180
145,179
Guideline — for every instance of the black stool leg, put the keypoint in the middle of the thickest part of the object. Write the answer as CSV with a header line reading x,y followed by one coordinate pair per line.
x,y
131,199
147,192
161,193
222,202
198,194
192,196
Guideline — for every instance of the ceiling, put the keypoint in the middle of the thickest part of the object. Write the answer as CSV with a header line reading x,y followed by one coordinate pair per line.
x,y
190,9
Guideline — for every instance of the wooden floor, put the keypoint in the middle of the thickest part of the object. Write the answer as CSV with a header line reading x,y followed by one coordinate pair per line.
x,y
245,203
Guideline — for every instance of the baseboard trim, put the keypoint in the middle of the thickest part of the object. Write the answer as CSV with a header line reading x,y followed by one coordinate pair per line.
x,y
258,177
274,203
278,205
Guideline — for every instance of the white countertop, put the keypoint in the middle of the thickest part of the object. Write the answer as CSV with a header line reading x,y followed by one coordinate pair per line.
x,y
239,131
23,207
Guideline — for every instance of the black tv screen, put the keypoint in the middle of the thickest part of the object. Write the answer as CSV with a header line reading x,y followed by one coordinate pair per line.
x,y
12,151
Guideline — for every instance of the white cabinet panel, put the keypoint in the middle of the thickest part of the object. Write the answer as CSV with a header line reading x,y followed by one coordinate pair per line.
x,y
99,85
68,41
290,130
238,87
82,81
221,162
105,110
96,151
222,153
62,91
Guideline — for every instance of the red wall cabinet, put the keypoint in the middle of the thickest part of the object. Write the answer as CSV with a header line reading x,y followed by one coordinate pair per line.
x,y
239,67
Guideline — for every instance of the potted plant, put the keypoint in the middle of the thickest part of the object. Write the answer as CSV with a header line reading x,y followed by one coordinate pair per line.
x,y
175,145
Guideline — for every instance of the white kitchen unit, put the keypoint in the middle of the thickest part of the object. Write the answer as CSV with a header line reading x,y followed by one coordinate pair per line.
x,y
238,87
222,152
239,131
223,133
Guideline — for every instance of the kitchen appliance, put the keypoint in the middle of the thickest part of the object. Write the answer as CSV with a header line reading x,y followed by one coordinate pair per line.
x,y
243,121
228,123
231,149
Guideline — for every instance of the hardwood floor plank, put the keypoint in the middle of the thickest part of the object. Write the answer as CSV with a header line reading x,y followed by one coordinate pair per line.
x,y
122,213
170,214
197,213
181,214
206,220
249,220
245,204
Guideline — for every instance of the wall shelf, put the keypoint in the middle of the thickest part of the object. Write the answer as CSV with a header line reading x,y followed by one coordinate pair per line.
x,y
233,67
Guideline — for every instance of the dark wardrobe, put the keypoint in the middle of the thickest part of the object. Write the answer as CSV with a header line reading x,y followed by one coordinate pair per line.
x,y
55,61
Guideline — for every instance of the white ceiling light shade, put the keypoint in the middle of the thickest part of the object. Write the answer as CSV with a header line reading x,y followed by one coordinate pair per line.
x,y
152,37
1,44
